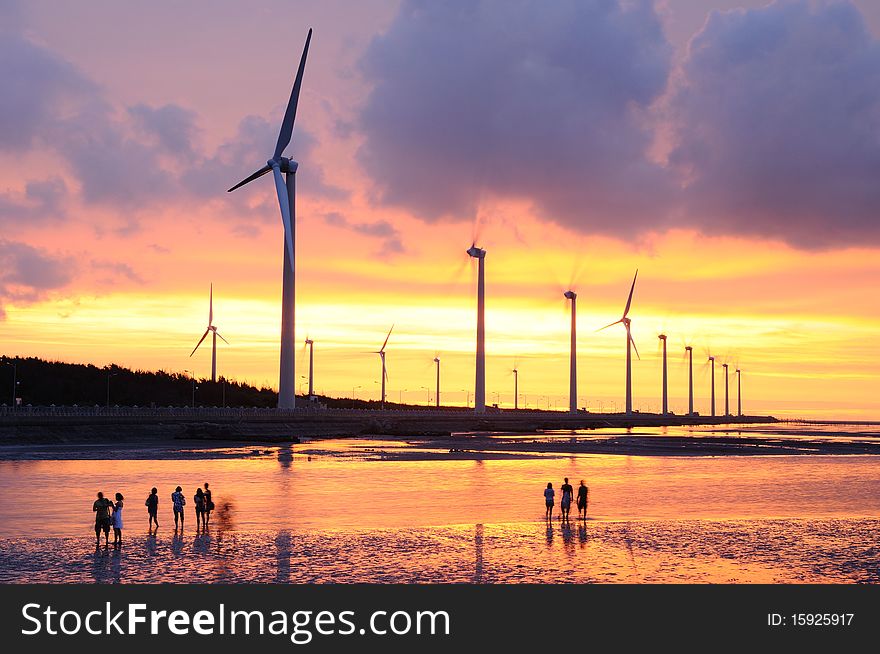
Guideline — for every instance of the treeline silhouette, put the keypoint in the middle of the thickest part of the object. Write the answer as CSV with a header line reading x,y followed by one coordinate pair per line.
x,y
42,383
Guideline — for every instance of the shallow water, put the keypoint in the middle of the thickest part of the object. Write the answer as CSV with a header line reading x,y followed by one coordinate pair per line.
x,y
340,511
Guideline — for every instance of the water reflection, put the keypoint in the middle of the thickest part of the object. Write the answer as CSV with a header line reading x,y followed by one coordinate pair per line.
x,y
766,551
282,557
285,456
478,554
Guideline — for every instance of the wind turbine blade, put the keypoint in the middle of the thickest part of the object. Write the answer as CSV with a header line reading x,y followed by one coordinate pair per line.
x,y
262,171
386,339
290,115
281,189
610,325
634,345
221,338
630,298
211,306
200,342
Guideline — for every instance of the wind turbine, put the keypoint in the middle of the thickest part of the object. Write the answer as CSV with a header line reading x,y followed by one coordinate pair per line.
x,y
213,330
739,388
726,388
381,353
480,383
515,372
572,374
630,344
311,345
712,361
665,395
285,188
437,393
690,356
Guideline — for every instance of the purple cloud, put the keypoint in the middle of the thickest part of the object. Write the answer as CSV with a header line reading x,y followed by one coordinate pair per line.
x,y
778,125
28,273
541,101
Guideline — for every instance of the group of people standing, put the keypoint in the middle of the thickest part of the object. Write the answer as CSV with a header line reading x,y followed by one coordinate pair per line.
x,y
566,499
108,514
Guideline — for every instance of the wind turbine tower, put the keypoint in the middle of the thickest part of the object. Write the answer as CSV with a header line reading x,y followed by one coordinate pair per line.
x,y
662,338
381,353
480,383
739,388
630,344
690,356
712,361
213,330
437,393
726,388
311,345
515,388
572,374
285,188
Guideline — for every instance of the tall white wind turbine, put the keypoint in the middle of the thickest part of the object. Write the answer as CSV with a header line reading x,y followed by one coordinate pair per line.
x,y
480,383
690,355
437,392
726,389
712,361
572,372
311,345
739,388
381,353
285,187
664,393
213,331
630,344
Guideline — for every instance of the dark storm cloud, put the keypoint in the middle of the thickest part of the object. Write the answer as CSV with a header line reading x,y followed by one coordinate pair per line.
x,y
778,125
529,99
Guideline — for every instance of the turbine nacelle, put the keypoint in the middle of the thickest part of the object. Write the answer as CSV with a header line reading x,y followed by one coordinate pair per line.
x,y
688,348
570,295
284,164
662,337
475,252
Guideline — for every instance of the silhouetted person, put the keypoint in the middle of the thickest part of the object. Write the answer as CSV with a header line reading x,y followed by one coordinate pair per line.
x,y
117,520
565,502
152,505
199,499
549,496
101,507
583,491
209,505
179,501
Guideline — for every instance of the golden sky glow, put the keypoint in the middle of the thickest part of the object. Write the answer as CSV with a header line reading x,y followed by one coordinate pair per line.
x,y
801,323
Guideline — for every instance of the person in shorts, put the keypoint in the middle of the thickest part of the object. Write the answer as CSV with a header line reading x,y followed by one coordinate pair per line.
x,y
178,501
565,502
549,495
209,505
152,505
101,507
199,500
583,491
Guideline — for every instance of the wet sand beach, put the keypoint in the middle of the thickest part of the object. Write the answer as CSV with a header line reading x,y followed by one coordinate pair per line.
x,y
470,508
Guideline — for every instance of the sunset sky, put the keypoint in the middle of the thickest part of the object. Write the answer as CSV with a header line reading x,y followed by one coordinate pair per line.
x,y
728,149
